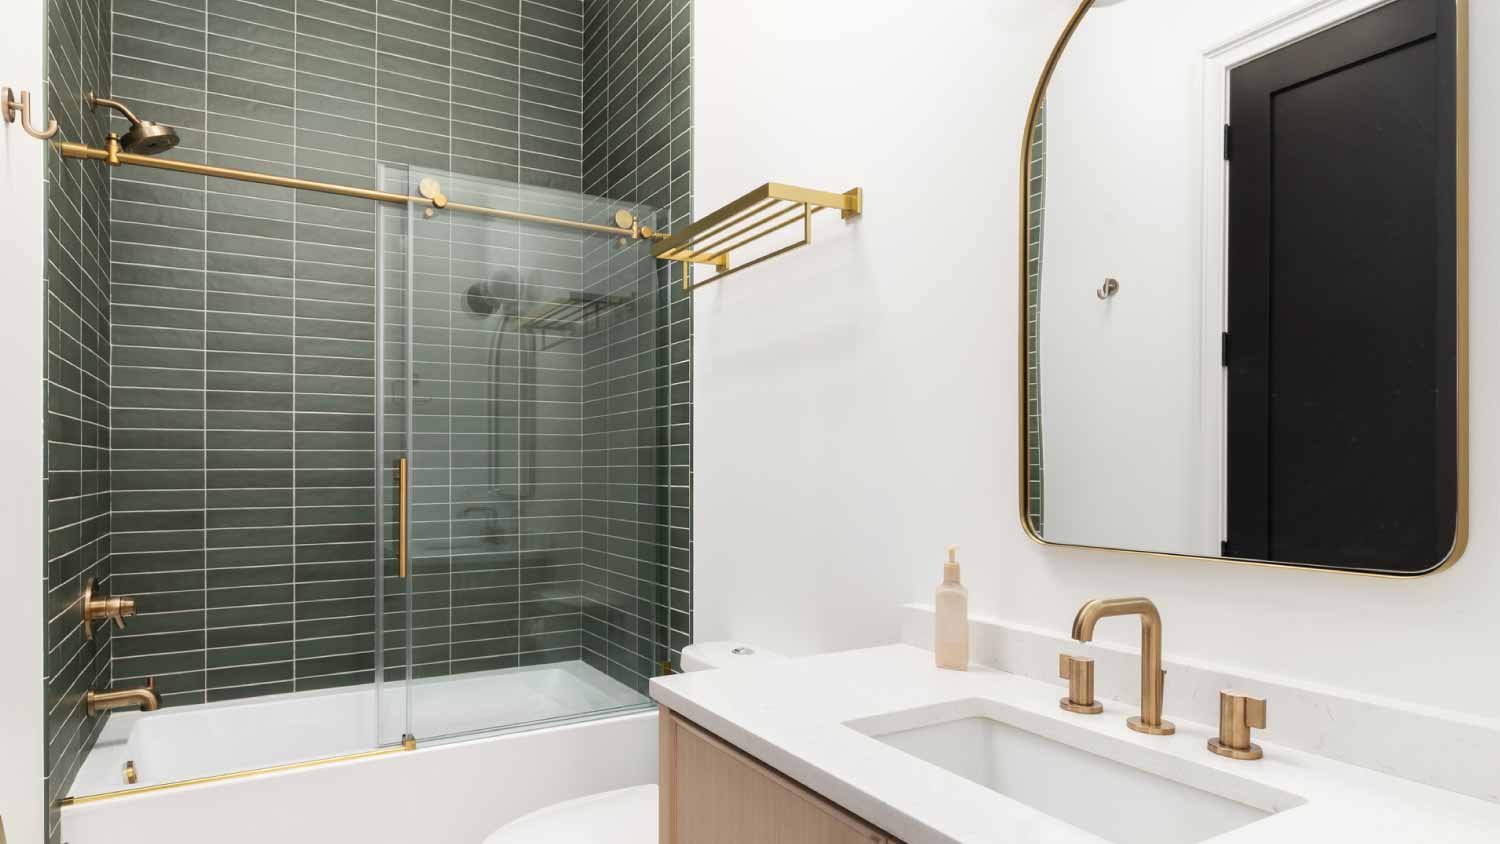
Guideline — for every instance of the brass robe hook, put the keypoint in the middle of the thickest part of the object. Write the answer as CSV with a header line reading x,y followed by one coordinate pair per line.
x,y
1108,289
12,107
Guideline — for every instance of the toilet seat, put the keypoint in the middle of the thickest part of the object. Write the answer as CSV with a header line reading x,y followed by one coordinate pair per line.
x,y
623,816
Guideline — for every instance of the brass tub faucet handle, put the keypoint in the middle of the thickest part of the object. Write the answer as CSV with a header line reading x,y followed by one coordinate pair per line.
x,y
1237,715
1079,672
96,608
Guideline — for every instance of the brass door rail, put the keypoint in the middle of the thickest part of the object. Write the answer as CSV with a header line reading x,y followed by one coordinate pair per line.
x,y
115,156
763,211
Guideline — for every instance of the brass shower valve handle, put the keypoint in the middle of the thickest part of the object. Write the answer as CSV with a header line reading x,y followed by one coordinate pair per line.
x,y
1079,672
96,609
1237,715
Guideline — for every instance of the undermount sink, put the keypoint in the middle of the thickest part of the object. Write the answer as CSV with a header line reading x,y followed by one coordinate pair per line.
x,y
1112,788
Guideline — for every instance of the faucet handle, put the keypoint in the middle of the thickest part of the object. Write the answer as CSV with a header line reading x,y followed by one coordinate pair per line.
x,y
1079,672
1237,715
96,608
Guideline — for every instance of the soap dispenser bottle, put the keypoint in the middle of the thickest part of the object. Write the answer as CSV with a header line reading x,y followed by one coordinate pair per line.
x,y
951,638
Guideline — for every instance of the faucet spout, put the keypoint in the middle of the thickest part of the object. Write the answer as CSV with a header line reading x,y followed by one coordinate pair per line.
x,y
146,698
1153,678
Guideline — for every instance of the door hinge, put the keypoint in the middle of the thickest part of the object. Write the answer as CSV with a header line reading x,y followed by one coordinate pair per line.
x,y
1228,142
1224,348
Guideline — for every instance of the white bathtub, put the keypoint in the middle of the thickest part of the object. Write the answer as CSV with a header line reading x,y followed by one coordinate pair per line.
x,y
453,792
187,742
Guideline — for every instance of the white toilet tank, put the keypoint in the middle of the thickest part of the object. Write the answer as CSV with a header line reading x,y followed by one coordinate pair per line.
x,y
703,656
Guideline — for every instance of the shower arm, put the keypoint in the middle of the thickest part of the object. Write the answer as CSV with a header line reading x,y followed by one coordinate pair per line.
x,y
96,101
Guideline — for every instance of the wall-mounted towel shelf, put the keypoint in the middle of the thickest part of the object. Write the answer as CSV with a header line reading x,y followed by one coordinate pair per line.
x,y
763,211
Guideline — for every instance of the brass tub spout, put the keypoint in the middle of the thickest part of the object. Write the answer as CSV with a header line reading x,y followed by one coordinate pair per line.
x,y
95,701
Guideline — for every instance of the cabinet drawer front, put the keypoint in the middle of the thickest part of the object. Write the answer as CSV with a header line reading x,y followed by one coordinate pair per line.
x,y
712,793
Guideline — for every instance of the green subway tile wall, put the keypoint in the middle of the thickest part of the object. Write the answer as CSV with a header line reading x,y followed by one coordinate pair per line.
x,y
78,388
637,375
1035,462
244,357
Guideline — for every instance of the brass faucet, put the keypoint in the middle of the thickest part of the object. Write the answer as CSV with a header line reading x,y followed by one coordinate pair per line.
x,y
1153,678
95,701
96,608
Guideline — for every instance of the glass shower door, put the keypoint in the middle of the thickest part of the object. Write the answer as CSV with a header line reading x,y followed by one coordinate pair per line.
x,y
393,341
535,378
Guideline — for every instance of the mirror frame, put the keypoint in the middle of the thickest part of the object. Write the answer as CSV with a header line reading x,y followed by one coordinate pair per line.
x,y
1461,475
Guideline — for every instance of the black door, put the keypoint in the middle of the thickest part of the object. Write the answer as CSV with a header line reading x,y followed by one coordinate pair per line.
x,y
1342,426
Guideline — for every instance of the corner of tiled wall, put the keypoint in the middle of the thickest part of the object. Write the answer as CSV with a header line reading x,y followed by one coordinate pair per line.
x,y
78,390
638,388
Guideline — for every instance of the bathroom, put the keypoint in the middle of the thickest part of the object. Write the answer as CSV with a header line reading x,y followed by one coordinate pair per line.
x,y
447,457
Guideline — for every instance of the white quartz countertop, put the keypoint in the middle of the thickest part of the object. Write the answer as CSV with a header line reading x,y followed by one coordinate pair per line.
x,y
793,715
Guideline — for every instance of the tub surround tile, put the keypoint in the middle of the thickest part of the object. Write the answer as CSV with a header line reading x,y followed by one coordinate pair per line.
x,y
637,462
243,344
78,394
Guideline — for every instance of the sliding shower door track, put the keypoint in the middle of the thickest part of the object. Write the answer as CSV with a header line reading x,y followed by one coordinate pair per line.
x,y
432,195
406,744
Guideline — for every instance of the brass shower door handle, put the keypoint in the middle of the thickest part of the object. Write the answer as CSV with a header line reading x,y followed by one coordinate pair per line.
x,y
403,517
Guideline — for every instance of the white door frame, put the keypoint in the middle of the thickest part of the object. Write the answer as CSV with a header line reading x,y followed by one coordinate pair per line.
x,y
1295,25
22,799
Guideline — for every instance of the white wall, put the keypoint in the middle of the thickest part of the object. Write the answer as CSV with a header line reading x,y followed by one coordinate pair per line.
x,y
21,799
855,401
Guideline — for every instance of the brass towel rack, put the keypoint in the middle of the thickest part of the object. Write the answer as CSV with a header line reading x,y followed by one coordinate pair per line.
x,y
761,212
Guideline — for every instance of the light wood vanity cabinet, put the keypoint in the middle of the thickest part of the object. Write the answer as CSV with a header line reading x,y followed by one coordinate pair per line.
x,y
712,793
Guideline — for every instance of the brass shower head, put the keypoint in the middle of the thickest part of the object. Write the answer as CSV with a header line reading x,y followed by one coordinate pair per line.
x,y
145,137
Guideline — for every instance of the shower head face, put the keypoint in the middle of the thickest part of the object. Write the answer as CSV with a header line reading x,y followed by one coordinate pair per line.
x,y
148,138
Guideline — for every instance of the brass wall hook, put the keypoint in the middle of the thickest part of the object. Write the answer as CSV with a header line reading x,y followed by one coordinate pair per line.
x,y
96,608
1108,289
13,107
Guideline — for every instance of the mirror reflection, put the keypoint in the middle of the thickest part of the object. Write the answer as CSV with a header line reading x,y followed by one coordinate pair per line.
x,y
1243,284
